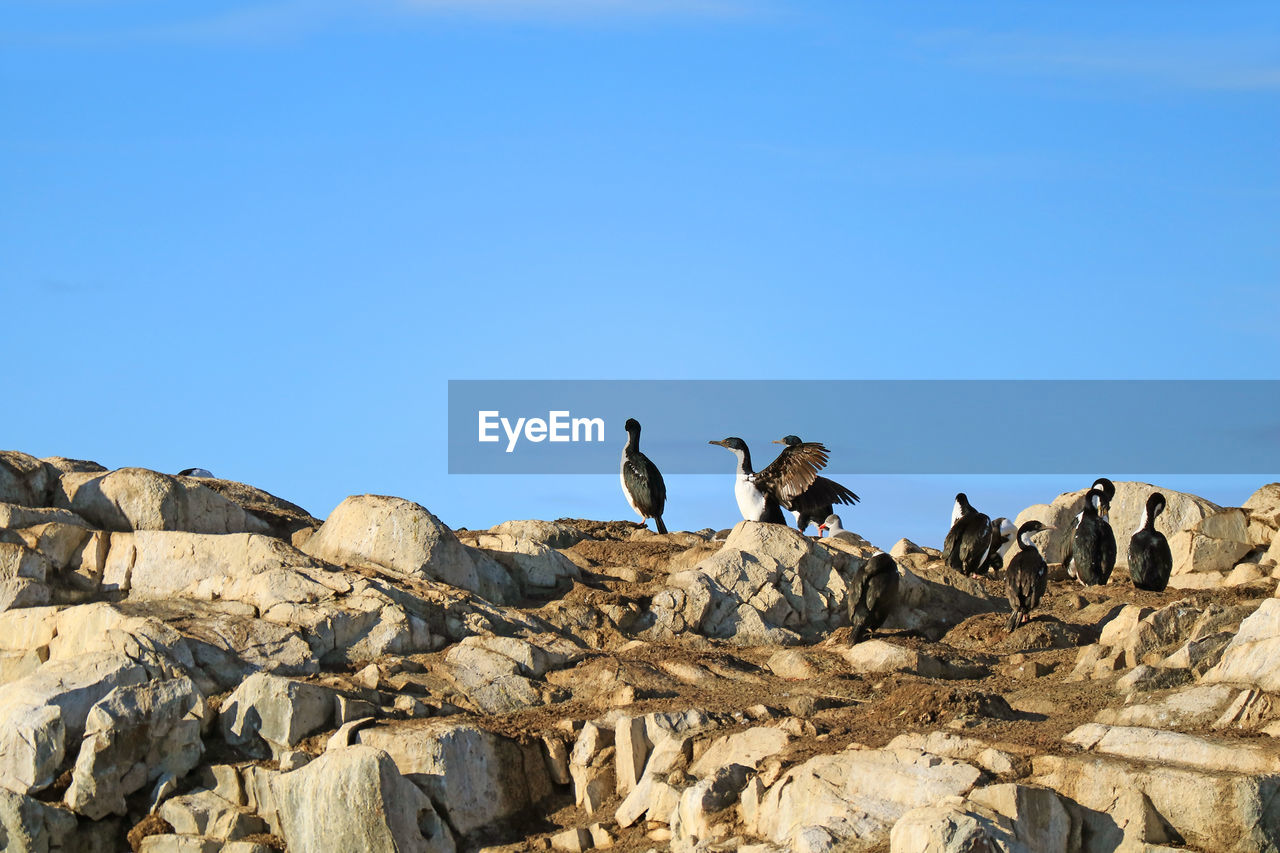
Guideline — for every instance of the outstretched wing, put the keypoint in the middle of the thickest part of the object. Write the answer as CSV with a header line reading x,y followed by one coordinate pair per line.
x,y
793,471
826,492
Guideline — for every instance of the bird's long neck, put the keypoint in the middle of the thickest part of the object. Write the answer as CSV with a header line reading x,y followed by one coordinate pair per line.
x,y
744,461
1024,539
633,441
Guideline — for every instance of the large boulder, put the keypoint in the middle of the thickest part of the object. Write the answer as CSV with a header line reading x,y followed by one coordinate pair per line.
x,y
134,736
537,566
141,499
1252,657
353,798
281,517
857,794
475,777
44,711
268,714
1164,788
1010,818
29,826
1263,508
768,583
405,539
24,479
167,564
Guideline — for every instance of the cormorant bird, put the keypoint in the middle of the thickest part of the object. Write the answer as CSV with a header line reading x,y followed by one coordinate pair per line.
x,y
1002,535
1108,490
1094,545
815,503
641,480
1150,560
760,495
873,592
1027,577
968,541
834,529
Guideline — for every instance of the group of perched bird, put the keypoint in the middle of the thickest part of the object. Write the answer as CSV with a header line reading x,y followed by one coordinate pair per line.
x,y
790,482
975,544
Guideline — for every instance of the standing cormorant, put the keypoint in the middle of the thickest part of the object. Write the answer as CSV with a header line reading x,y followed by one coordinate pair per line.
x,y
1027,577
1094,545
1108,490
968,541
873,592
1150,560
641,480
760,495
815,503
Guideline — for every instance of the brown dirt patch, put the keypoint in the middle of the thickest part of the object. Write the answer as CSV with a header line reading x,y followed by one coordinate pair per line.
x,y
152,824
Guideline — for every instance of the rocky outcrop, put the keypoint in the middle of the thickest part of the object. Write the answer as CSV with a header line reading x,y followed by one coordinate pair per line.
x,y
377,682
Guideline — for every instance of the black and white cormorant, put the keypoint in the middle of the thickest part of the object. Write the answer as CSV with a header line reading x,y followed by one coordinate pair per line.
x,y
1150,560
760,494
968,541
641,480
1108,490
873,592
1027,577
1094,544
815,503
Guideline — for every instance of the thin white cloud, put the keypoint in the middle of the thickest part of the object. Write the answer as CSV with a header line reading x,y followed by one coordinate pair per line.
x,y
278,20
1206,63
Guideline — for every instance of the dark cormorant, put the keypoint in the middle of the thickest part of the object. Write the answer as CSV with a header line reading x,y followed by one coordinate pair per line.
x,y
1150,560
1108,490
873,592
815,503
968,541
1027,577
641,480
1094,545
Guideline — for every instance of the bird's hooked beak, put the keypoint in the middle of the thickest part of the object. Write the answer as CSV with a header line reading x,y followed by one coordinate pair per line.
x,y
721,442
1105,510
777,441
822,530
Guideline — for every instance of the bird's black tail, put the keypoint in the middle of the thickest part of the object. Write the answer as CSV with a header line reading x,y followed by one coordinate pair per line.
x,y
1013,620
662,528
859,624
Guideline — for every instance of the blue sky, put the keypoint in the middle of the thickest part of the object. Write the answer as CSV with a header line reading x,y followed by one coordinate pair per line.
x,y
260,238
